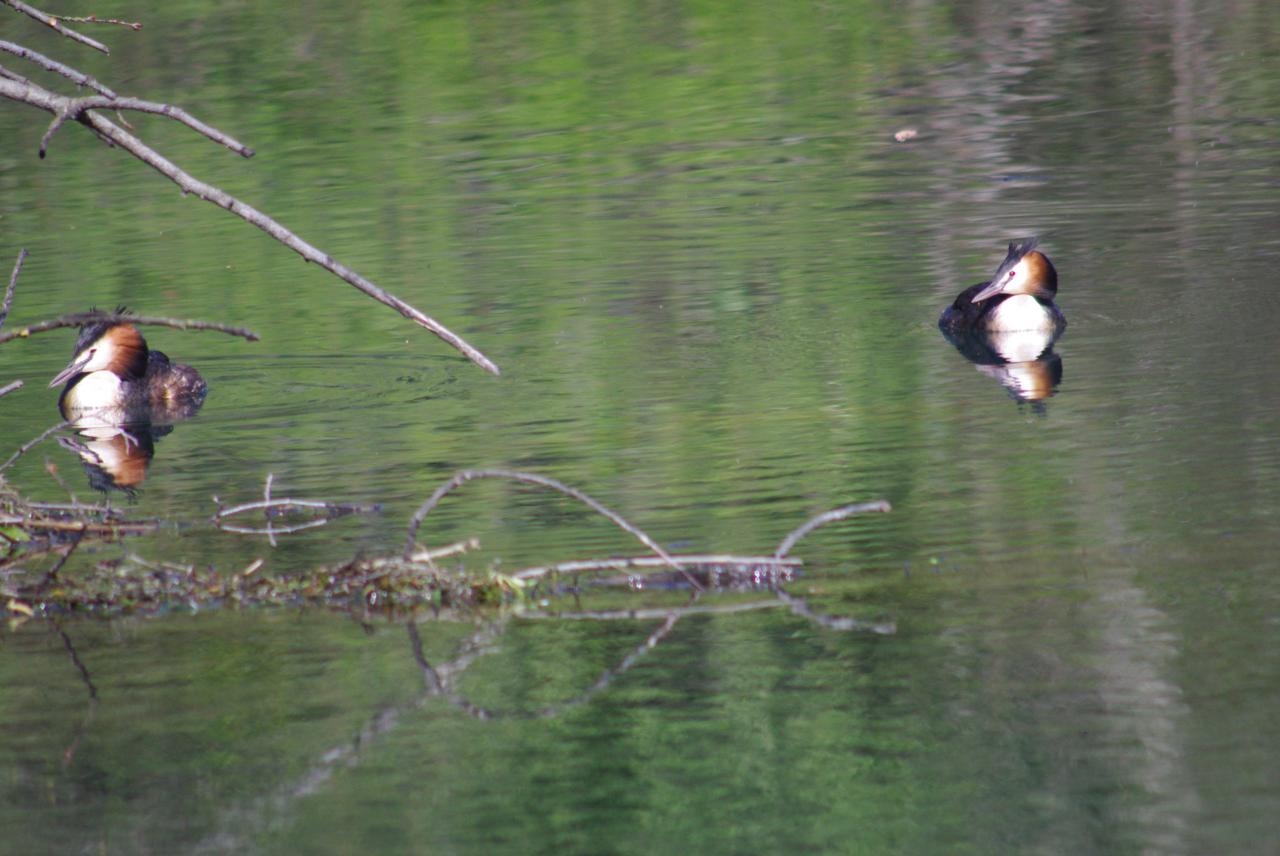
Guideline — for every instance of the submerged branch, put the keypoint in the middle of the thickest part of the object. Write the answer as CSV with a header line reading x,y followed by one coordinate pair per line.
x,y
465,476
80,319
54,22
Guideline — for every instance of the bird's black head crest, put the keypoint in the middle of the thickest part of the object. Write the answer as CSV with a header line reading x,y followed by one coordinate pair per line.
x,y
92,331
1017,249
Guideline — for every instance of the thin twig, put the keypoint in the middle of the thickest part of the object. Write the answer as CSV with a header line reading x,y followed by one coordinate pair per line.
x,y
49,64
457,548
75,661
339,507
626,563
13,387
52,21
76,107
651,613
52,573
827,517
13,283
81,319
113,134
267,505
266,498
271,531
94,19
464,476
22,450
52,469
14,76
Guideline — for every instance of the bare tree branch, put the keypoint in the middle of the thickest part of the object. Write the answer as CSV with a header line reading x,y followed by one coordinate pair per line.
x,y
13,387
56,24
464,476
107,130
94,19
80,319
827,517
75,109
56,67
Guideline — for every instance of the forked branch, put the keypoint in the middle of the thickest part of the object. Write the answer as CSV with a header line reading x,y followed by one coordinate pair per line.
x,y
465,476
56,23
17,88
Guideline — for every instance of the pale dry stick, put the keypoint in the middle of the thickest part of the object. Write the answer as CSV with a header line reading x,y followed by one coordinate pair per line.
x,y
13,283
343,508
81,319
270,531
48,64
52,21
267,504
76,107
655,612
94,19
13,387
827,517
457,548
427,557
112,133
628,562
266,513
462,477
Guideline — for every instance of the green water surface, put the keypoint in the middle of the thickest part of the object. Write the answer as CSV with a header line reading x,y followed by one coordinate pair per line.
x,y
710,275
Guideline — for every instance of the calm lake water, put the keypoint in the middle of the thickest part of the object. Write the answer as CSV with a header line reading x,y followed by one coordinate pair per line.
x,y
711,277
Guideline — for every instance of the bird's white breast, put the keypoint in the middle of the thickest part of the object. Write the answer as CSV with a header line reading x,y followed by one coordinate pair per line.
x,y
95,391
1021,312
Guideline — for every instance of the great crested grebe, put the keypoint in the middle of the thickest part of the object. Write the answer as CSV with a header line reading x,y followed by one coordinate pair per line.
x,y
1018,298
113,371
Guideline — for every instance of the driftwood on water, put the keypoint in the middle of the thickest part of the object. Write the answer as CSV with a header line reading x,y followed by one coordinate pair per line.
x,y
85,111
